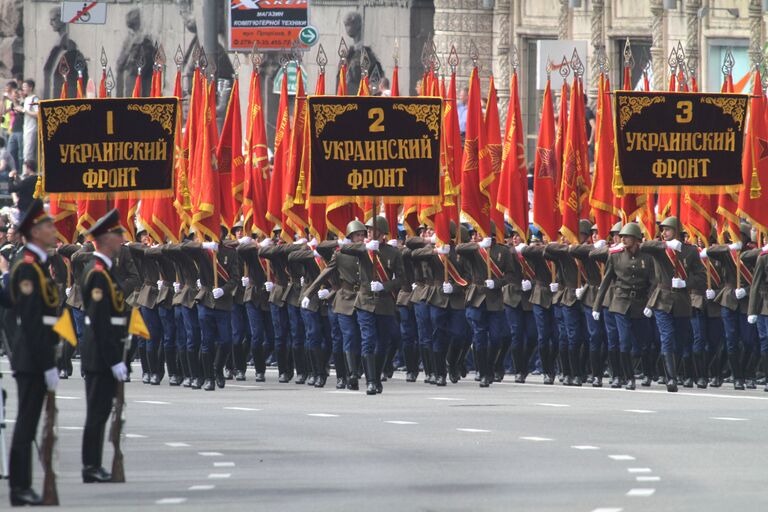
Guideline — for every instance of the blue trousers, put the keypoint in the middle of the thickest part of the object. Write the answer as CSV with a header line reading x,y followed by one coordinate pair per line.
x,y
423,324
376,332
740,335
154,326
168,321
611,331
257,325
675,333
762,329
240,329
296,326
280,326
215,327
317,329
707,332
192,328
633,333
573,317
408,334
181,331
488,327
595,329
448,325
561,329
350,332
337,340
78,318
522,326
545,328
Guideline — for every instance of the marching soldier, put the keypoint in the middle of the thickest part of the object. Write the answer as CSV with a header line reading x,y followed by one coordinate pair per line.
x,y
35,301
409,336
677,266
255,298
147,301
164,307
706,323
758,305
103,341
628,275
417,291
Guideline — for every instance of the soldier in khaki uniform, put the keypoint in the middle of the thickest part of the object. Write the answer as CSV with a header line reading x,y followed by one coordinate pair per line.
x,y
628,272
677,267
758,303
409,337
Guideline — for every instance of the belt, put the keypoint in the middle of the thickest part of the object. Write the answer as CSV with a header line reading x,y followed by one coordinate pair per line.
x,y
115,320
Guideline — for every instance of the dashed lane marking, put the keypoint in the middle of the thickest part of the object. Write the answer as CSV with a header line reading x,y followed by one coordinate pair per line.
x,y
400,422
177,445
71,428
61,397
151,402
241,409
553,405
472,430
201,487
726,418
584,447
621,457
323,415
536,438
648,478
219,475
135,436
640,411
641,492
210,454
171,501
223,464
639,470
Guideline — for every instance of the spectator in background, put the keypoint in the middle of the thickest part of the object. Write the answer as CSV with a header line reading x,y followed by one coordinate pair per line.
x,y
30,109
23,188
16,137
6,161
461,110
6,111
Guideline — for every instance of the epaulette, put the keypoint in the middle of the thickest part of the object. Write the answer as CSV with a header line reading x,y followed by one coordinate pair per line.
x,y
614,250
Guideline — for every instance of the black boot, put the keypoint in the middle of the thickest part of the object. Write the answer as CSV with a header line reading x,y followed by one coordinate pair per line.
x,y
481,365
207,362
144,364
301,365
195,370
369,360
283,365
629,370
222,353
341,370
160,362
576,370
546,368
764,362
670,367
440,368
426,361
688,370
565,367
647,369
750,367
380,359
185,372
259,363
498,367
411,354
615,361
737,370
318,366
174,379
353,368
388,370
521,365
701,370
154,367
596,362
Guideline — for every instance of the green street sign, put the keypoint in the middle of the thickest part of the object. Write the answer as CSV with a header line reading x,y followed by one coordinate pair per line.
x,y
309,35
291,69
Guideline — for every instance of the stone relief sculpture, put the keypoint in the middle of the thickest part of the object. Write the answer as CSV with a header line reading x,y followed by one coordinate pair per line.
x,y
68,48
136,45
353,25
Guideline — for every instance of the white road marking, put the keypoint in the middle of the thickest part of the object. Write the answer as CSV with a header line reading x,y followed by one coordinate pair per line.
x,y
170,501
241,409
621,457
71,428
135,436
177,445
639,411
608,510
641,492
445,398
243,386
726,418
201,487
151,402
400,422
61,397
584,447
639,470
223,464
535,438
210,454
323,415
648,478
219,475
639,391
472,430
553,405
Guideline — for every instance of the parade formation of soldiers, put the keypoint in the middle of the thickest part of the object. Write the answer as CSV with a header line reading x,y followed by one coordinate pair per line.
x,y
660,310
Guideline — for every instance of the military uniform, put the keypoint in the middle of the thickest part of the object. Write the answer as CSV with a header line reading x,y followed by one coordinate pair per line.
x,y
241,335
255,298
147,300
409,336
519,312
165,310
706,324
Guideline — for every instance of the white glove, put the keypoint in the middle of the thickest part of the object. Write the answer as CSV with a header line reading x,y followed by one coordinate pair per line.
x,y
752,319
268,285
52,378
300,241
740,293
210,246
599,244
376,286
301,281
554,287
736,246
433,239
160,284
176,287
120,371
218,293
485,243
443,249
710,294
199,284
580,292
675,245
703,254
305,303
312,243
647,312
68,291
392,243
323,294
373,245
490,284
526,285
447,288
344,241
678,283
414,286
245,281
244,240
596,315
267,242
316,254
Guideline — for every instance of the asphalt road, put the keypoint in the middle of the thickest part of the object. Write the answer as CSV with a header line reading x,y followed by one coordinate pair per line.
x,y
417,447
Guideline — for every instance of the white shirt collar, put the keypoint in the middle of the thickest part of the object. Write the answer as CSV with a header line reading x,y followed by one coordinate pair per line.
x,y
37,250
106,259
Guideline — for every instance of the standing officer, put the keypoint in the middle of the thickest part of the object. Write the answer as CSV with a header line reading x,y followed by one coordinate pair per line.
x,y
103,341
35,301
677,266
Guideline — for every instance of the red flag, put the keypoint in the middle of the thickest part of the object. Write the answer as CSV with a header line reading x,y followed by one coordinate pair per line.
x,y
256,181
602,197
489,183
546,210
282,143
229,155
513,181
476,163
206,196
295,186
575,185
754,168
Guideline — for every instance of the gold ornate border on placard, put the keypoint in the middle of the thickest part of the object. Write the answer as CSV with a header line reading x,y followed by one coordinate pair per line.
x,y
427,114
162,113
59,115
734,107
632,105
325,114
